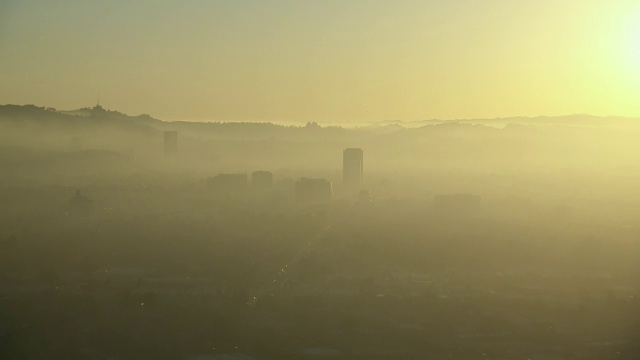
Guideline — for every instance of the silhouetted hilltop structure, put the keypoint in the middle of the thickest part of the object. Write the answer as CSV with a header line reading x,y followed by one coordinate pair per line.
x,y
82,119
98,110
80,205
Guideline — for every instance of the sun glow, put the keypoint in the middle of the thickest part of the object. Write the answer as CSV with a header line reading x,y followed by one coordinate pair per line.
x,y
633,45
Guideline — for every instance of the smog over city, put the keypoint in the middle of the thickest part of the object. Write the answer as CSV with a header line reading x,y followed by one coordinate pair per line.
x,y
297,179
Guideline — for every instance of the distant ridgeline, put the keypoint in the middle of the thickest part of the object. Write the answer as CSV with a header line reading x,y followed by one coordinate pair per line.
x,y
94,141
430,137
99,115
52,119
87,118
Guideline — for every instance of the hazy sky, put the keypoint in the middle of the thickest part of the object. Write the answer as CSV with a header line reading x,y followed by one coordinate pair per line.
x,y
361,60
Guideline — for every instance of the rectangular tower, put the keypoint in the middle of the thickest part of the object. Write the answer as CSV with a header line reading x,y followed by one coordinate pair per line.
x,y
352,168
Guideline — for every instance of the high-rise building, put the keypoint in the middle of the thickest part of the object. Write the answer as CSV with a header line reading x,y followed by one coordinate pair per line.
x,y
170,142
352,167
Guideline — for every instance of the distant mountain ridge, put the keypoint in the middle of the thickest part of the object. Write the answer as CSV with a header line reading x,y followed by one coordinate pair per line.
x,y
86,118
105,141
568,120
98,115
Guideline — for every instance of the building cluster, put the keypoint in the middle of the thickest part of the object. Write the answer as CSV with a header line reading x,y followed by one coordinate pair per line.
x,y
306,191
260,187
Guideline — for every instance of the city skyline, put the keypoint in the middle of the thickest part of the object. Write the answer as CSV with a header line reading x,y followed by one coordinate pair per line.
x,y
334,179
326,62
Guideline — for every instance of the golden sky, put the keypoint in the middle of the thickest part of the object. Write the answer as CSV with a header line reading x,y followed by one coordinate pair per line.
x,y
324,60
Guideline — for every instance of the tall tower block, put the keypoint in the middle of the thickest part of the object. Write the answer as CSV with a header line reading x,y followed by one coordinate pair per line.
x,y
170,142
352,168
